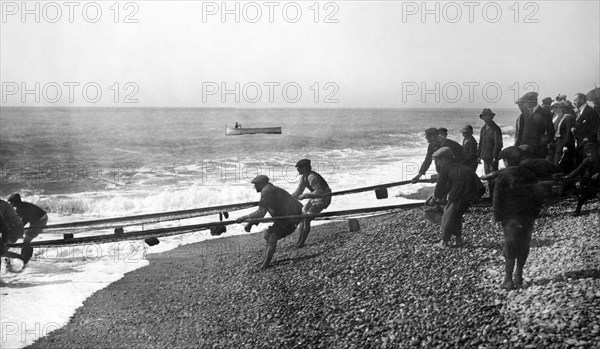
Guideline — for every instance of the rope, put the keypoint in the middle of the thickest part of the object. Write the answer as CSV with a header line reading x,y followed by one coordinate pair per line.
x,y
160,232
108,223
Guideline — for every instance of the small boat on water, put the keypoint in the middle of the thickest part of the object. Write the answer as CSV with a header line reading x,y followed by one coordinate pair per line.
x,y
232,131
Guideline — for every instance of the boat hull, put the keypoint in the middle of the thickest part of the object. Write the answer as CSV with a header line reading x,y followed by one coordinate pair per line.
x,y
231,131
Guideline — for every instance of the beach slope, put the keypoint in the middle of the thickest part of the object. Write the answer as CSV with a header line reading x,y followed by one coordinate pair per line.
x,y
384,286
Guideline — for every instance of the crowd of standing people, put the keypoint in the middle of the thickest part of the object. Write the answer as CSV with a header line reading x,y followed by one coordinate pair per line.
x,y
555,141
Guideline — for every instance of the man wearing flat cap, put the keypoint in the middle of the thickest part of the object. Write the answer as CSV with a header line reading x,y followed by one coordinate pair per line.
x,y
517,203
317,195
460,187
534,126
490,144
278,203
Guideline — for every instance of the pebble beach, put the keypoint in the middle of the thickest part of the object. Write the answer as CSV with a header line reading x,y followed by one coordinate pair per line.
x,y
385,286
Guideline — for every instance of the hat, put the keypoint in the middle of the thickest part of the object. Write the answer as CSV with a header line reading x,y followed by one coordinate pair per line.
x,y
520,101
432,131
443,130
530,97
467,128
547,100
260,179
486,112
303,163
511,153
14,198
560,104
443,152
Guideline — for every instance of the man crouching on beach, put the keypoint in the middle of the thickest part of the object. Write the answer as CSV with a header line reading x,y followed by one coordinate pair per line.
x,y
278,203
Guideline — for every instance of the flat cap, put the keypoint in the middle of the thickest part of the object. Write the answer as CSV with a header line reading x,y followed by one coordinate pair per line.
x,y
260,179
511,153
467,128
14,198
443,152
303,163
432,131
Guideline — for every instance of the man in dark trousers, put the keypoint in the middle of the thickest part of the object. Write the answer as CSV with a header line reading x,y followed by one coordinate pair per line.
x,y
517,203
460,186
32,214
317,187
490,145
277,202
469,148
534,126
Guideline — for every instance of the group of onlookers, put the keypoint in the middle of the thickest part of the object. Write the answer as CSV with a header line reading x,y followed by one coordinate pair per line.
x,y
557,141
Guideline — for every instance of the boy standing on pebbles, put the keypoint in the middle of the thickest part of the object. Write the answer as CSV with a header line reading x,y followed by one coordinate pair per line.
x,y
517,203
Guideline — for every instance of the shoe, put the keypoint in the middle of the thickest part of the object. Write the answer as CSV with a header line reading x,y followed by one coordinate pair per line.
x,y
576,213
507,285
442,244
518,280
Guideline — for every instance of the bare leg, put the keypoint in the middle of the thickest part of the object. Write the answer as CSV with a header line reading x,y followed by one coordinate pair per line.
x,y
269,251
304,230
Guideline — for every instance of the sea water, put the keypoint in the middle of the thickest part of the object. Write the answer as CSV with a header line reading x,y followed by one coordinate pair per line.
x,y
91,163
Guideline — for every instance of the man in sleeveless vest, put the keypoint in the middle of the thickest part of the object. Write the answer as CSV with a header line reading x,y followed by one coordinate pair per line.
x,y
317,195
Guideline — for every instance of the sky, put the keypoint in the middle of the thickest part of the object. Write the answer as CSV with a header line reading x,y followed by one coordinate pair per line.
x,y
303,54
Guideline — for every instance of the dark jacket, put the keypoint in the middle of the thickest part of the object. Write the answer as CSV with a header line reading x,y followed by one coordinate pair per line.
x,y
490,142
457,149
12,222
586,125
535,130
457,181
516,194
431,148
470,151
29,212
